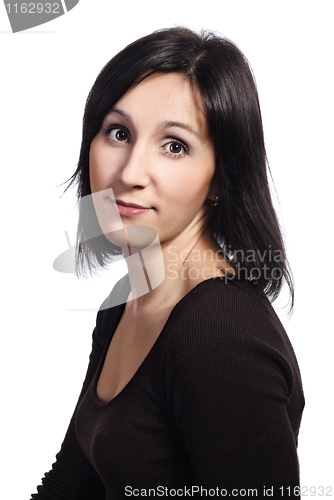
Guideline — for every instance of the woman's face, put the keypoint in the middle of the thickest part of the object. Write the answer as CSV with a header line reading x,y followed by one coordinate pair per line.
x,y
153,151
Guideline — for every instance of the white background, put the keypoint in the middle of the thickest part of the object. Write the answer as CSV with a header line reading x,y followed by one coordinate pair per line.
x,y
46,74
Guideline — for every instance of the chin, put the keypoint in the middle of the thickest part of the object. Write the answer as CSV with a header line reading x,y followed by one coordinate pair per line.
x,y
133,238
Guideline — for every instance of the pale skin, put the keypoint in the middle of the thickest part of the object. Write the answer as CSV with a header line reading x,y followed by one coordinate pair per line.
x,y
153,150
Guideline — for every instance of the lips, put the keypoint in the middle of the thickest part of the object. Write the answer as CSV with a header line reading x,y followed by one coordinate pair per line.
x,y
129,209
134,205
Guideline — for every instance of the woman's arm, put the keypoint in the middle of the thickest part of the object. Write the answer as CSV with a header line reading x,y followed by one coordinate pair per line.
x,y
72,476
232,387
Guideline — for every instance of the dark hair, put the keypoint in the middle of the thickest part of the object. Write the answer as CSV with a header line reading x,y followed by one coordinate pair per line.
x,y
244,223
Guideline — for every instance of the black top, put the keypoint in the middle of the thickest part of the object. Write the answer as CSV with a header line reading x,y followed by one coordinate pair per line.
x,y
216,403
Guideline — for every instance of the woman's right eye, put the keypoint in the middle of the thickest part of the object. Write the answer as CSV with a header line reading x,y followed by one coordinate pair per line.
x,y
116,134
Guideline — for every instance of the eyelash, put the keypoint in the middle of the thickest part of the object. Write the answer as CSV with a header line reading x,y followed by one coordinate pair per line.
x,y
174,140
107,130
180,143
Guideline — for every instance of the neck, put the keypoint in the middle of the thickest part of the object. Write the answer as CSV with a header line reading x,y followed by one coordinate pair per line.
x,y
162,274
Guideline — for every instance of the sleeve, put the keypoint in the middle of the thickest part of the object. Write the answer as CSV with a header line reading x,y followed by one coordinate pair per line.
x,y
72,476
228,387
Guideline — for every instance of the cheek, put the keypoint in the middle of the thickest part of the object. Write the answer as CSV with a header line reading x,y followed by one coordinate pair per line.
x,y
102,168
189,188
94,167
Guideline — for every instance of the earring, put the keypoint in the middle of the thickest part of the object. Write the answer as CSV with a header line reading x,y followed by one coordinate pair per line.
x,y
215,203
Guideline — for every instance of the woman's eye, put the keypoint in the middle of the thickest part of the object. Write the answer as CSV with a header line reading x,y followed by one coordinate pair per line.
x,y
119,135
116,134
174,148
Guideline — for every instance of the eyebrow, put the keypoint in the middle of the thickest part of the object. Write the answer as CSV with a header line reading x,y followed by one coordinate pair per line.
x,y
122,113
168,124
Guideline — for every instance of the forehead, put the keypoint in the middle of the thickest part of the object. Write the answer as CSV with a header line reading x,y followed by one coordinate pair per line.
x,y
165,96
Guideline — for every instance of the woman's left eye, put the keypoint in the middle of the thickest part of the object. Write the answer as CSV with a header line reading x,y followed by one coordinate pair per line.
x,y
176,149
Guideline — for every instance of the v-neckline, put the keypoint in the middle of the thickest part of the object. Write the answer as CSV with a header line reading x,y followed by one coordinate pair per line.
x,y
118,317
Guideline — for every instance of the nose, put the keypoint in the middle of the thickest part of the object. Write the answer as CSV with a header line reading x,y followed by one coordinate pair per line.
x,y
134,170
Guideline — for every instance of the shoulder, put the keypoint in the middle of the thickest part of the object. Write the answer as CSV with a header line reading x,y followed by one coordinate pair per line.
x,y
219,307
220,331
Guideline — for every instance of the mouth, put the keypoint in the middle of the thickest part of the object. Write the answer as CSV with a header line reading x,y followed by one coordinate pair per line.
x,y
129,209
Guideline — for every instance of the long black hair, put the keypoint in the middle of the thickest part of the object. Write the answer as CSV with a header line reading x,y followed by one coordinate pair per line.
x,y
244,223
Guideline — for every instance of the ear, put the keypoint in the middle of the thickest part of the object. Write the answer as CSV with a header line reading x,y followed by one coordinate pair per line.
x,y
212,197
215,189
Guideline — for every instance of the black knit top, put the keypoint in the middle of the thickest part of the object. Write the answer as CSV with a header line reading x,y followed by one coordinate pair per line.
x,y
215,405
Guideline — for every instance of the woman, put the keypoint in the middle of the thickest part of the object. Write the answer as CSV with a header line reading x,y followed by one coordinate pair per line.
x,y
192,388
